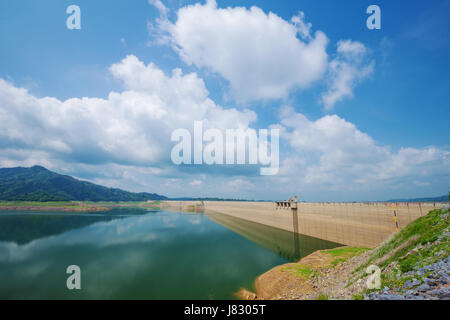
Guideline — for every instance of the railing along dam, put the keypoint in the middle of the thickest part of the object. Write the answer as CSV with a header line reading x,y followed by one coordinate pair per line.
x,y
355,224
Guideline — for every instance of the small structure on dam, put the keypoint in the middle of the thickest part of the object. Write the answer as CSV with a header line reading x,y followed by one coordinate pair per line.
x,y
289,204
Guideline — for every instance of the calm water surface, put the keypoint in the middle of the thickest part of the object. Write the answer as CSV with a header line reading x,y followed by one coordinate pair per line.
x,y
137,254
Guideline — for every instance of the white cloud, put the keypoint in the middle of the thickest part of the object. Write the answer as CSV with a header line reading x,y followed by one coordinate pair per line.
x,y
258,53
124,140
304,28
348,48
345,71
331,152
261,55
240,184
130,128
162,9
196,183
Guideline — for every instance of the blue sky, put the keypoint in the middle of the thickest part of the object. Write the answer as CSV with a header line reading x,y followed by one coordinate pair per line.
x,y
399,92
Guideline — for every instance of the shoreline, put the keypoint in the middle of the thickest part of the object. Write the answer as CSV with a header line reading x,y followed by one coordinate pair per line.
x,y
305,279
77,206
64,209
413,264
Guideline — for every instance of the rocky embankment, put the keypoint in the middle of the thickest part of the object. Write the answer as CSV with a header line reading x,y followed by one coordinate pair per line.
x,y
428,283
413,264
427,280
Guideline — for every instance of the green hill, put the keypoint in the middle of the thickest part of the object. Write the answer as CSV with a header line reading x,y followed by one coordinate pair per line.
x,y
39,184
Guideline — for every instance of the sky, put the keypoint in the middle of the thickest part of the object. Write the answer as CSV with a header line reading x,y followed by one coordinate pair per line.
x,y
362,113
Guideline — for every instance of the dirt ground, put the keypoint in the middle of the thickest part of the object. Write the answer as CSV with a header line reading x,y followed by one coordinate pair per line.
x,y
325,279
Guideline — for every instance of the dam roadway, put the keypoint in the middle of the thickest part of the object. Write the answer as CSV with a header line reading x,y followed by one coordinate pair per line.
x,y
354,224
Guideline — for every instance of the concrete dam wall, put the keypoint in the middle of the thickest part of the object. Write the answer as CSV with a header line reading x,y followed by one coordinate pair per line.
x,y
289,245
355,224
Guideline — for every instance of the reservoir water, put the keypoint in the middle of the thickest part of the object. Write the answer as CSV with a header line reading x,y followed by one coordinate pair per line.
x,y
139,254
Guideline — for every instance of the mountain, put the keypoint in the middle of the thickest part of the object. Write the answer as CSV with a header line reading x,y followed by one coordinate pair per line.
x,y
39,184
430,199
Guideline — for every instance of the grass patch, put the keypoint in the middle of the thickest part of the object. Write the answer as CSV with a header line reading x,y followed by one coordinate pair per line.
x,y
413,247
339,255
421,232
344,253
300,270
391,281
358,296
322,296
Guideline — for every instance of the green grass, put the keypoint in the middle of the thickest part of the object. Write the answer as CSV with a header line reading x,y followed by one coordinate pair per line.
x,y
391,281
344,253
300,270
358,297
420,232
322,296
341,254
414,246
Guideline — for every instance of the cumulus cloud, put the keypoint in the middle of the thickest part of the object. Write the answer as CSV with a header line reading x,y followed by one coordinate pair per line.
x,y
124,139
132,127
259,53
332,152
345,71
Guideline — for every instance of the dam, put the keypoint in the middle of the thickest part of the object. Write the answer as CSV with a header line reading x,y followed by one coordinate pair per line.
x,y
355,224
